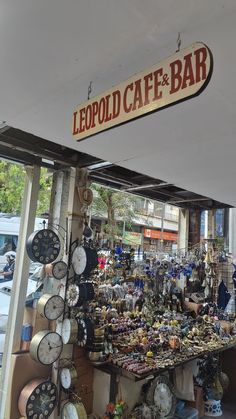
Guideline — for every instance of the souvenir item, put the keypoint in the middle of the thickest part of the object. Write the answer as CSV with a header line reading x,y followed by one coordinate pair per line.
x,y
50,306
160,394
84,260
46,347
69,331
73,410
59,269
76,295
43,246
37,399
68,377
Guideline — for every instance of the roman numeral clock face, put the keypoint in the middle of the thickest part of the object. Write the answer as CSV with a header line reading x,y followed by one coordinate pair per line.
x,y
43,246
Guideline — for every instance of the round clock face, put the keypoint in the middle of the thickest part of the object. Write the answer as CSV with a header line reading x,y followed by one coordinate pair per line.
x,y
65,378
69,411
69,331
43,246
82,333
59,269
46,347
54,307
37,401
163,399
79,260
72,295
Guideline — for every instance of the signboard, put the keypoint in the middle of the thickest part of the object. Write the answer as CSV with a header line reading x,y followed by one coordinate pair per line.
x,y
157,234
132,238
177,78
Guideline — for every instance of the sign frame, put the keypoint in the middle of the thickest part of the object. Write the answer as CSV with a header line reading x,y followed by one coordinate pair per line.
x,y
165,84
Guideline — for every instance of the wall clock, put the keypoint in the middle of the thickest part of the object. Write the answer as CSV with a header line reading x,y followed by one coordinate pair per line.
x,y
69,331
160,395
37,399
76,295
59,269
68,377
50,306
73,410
85,332
46,347
84,260
43,246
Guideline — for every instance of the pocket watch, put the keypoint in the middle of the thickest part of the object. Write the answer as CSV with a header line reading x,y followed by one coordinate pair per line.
x,y
68,377
38,399
160,394
69,331
46,347
50,306
43,246
73,410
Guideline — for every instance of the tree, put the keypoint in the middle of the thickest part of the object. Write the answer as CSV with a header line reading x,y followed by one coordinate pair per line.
x,y
116,206
12,180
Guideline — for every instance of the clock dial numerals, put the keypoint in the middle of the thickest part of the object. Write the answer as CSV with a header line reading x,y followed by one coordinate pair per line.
x,y
69,331
79,260
43,246
35,401
160,394
54,307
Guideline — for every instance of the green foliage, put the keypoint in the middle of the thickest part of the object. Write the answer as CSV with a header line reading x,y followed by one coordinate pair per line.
x,y
12,180
115,206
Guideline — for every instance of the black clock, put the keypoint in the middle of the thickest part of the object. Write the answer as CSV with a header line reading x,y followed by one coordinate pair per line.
x,y
43,246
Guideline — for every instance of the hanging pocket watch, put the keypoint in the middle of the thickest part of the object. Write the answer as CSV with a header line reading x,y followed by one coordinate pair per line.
x,y
37,399
50,306
68,377
73,410
46,347
69,331
160,394
43,246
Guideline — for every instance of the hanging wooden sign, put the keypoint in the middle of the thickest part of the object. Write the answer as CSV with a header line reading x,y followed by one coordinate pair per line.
x,y
175,79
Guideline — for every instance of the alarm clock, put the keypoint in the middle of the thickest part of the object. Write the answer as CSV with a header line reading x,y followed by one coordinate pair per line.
x,y
38,399
69,331
160,395
46,347
43,246
68,377
73,410
50,306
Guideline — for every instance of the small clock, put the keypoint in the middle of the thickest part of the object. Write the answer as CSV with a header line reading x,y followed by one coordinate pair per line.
x,y
51,306
38,399
46,347
76,295
84,260
73,410
69,331
85,332
68,377
160,394
43,246
59,269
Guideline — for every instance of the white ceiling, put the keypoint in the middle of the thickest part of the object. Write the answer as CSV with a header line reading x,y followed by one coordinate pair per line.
x,y
51,49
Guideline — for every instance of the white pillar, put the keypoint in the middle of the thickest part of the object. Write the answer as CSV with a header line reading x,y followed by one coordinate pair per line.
x,y
20,283
232,232
183,232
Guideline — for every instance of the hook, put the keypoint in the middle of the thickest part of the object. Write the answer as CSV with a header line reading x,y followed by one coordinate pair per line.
x,y
179,41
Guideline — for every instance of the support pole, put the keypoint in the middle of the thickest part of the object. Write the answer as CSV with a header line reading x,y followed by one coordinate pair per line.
x,y
183,230
20,283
